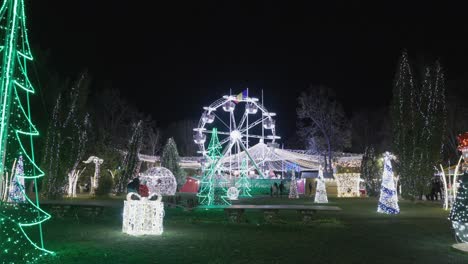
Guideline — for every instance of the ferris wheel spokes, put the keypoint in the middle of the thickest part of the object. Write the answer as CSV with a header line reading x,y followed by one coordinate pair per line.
x,y
242,131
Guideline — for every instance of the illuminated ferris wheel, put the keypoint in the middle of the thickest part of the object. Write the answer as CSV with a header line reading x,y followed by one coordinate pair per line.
x,y
241,122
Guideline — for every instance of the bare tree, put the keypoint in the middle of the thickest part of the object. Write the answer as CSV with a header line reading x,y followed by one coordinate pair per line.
x,y
323,124
153,144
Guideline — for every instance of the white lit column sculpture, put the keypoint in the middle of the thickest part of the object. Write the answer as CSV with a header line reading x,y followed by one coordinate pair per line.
x,y
388,201
97,165
143,216
321,191
293,187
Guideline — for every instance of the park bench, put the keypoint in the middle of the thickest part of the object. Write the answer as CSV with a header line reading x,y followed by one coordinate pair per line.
x,y
76,210
235,213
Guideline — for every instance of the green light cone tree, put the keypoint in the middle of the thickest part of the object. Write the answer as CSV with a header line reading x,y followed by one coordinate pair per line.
x,y
213,189
17,221
243,184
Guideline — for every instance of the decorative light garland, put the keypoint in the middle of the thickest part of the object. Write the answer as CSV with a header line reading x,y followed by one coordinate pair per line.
x,y
143,216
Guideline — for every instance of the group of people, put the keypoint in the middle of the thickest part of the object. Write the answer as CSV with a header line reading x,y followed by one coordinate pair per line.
x,y
436,190
276,189
137,186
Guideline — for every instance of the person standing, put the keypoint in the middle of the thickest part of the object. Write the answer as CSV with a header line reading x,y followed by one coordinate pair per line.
x,y
281,187
276,188
133,186
310,188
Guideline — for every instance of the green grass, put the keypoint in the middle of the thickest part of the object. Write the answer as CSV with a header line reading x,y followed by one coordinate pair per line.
x,y
420,234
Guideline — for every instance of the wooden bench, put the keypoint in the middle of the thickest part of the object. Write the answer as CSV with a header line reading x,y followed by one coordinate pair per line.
x,y
76,210
235,213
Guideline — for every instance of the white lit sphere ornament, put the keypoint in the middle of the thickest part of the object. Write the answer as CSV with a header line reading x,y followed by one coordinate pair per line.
x,y
233,193
160,180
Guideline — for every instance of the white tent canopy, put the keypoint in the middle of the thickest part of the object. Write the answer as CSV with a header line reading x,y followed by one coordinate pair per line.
x,y
271,158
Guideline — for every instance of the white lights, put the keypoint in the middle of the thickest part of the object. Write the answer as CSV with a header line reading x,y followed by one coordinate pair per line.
x,y
388,201
293,194
251,108
321,191
208,117
348,184
199,138
229,106
143,216
159,180
233,193
236,135
97,165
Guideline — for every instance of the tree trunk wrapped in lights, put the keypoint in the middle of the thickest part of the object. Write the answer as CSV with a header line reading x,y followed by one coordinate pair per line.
x,y
16,139
130,164
419,116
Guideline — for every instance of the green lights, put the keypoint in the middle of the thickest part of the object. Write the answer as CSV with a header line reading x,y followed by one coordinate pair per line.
x,y
213,191
243,184
16,138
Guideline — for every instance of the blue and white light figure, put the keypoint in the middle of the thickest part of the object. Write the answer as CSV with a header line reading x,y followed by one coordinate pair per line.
x,y
388,202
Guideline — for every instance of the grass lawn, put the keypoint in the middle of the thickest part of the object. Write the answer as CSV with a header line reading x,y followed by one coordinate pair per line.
x,y
420,234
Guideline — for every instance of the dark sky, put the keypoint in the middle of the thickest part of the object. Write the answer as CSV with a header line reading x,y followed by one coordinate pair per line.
x,y
172,59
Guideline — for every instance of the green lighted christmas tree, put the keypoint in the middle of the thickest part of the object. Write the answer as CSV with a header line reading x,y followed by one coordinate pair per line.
x,y
18,222
459,212
213,185
243,184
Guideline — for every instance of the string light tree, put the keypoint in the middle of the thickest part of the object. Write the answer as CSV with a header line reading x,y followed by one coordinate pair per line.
x,y
321,191
388,201
243,184
18,220
459,212
293,194
213,191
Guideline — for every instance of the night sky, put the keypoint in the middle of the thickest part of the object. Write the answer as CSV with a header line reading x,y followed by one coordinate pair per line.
x,y
172,59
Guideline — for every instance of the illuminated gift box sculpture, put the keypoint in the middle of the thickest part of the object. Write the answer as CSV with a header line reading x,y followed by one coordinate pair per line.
x,y
143,216
348,184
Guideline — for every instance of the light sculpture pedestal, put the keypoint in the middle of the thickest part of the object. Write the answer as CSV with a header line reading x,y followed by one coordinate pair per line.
x,y
143,216
463,247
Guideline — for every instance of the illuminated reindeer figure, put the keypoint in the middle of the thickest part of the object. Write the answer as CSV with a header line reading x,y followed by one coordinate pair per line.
x,y
94,180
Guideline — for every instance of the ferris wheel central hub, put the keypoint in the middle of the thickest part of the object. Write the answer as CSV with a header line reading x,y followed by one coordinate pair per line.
x,y
236,135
